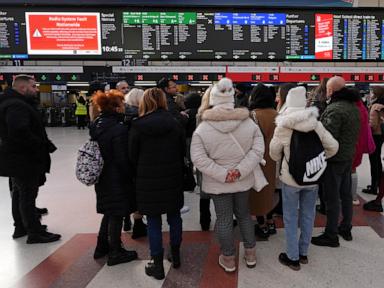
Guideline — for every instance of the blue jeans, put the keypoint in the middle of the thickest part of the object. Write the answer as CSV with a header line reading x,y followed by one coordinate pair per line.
x,y
156,237
299,210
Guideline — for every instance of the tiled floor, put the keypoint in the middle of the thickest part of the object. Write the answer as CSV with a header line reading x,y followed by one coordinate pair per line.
x,y
69,263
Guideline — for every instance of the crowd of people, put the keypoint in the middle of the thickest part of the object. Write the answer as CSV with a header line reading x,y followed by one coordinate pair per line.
x,y
243,148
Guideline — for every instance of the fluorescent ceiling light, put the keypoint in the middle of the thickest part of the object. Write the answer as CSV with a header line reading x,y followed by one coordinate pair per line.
x,y
145,83
77,84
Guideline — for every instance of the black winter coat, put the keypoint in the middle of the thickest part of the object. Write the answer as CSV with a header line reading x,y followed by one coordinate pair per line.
x,y
24,144
114,191
192,104
157,148
175,111
131,112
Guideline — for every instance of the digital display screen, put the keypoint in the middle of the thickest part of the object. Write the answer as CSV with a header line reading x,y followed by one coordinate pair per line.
x,y
192,34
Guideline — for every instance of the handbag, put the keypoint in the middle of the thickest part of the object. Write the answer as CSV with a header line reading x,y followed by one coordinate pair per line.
x,y
189,182
258,175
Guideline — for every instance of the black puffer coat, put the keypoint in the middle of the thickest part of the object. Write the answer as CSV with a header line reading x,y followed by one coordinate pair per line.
x,y
192,104
24,145
157,148
114,191
131,112
175,111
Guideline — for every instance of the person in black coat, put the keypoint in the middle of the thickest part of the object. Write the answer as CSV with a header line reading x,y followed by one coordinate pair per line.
x,y
192,103
169,87
132,101
157,149
114,190
24,156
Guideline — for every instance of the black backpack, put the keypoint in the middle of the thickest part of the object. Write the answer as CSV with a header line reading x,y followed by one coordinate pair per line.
x,y
307,161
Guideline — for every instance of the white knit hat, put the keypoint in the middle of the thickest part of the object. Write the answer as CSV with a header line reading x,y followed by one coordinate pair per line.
x,y
296,100
222,92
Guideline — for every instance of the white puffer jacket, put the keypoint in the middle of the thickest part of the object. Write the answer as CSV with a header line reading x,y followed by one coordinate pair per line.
x,y
305,121
213,151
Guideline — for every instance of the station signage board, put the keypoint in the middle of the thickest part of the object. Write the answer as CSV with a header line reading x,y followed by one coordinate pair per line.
x,y
63,33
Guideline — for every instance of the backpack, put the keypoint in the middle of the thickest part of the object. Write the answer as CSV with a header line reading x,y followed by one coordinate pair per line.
x,y
89,163
307,161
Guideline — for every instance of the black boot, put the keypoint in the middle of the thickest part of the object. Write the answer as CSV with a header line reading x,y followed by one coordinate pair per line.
x,y
139,229
117,254
155,267
174,256
121,256
42,237
102,247
19,232
205,214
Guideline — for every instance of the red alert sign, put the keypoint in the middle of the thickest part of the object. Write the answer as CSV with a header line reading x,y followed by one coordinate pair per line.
x,y
324,36
63,33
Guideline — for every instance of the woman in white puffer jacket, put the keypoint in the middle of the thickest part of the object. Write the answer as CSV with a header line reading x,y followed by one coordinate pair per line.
x,y
228,171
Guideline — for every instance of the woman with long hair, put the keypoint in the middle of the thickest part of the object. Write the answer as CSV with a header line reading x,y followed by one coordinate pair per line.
x,y
157,149
261,104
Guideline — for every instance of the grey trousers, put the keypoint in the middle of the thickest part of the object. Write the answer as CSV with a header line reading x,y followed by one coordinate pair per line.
x,y
225,206
337,186
354,186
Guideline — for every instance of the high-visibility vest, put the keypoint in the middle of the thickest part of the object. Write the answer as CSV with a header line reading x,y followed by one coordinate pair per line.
x,y
81,109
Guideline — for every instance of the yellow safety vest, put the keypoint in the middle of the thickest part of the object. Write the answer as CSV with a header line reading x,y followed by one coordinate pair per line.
x,y
81,109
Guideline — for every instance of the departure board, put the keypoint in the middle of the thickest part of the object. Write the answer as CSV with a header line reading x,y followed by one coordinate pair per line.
x,y
192,34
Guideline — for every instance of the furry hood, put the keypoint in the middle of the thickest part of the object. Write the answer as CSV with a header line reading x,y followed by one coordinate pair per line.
x,y
345,94
304,120
225,120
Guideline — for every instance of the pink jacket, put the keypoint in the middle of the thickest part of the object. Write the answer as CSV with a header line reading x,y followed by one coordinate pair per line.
x,y
365,143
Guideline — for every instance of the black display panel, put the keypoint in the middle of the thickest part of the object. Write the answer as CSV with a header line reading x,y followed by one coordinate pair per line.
x,y
191,34
65,33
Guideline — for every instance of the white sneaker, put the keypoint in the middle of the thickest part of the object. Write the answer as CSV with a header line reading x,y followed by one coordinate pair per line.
x,y
184,210
250,257
228,263
356,202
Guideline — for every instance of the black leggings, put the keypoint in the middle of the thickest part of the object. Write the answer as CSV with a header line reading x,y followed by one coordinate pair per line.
x,y
81,121
375,162
110,228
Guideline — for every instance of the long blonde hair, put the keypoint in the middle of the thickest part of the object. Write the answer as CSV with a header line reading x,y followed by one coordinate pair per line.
x,y
204,104
153,99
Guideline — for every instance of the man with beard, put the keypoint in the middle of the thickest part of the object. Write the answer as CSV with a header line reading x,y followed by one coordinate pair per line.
x,y
24,156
